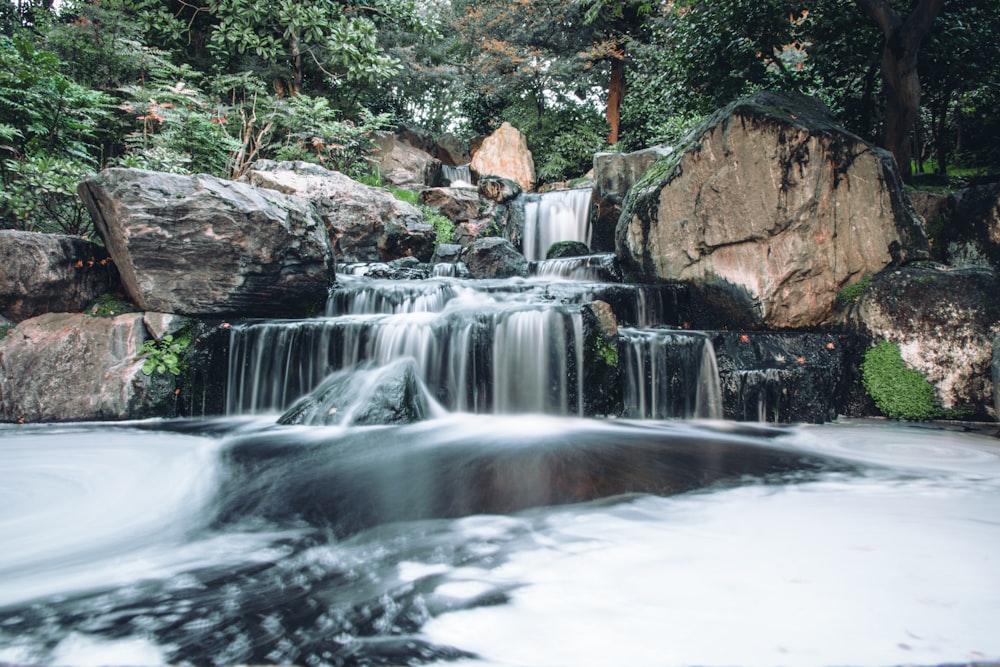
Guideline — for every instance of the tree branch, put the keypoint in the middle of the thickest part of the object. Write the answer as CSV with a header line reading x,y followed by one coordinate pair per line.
x,y
882,13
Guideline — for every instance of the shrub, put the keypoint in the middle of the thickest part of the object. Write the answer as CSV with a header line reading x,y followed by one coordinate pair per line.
x,y
899,392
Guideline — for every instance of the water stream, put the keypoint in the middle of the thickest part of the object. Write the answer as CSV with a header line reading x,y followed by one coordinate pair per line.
x,y
407,479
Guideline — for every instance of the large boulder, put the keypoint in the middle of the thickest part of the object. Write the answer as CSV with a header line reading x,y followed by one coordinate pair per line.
x,y
614,176
365,223
505,153
200,245
456,204
403,165
42,273
90,368
966,229
944,322
772,197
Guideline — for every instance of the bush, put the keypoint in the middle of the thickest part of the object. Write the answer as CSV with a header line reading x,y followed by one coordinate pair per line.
x,y
899,392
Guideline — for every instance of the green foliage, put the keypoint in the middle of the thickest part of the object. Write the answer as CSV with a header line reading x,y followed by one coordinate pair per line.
x,y
409,196
6,330
899,392
165,356
608,351
443,226
853,292
110,305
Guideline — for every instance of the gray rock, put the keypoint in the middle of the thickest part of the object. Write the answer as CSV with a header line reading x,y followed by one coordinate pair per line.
x,y
614,176
404,165
91,369
945,322
494,258
967,232
41,273
199,245
772,197
365,224
505,153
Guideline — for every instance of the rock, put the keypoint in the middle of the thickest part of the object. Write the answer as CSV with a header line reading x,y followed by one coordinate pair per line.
x,y
562,249
614,176
403,165
383,395
494,258
447,253
944,322
602,370
456,204
365,223
505,153
42,273
968,231
771,197
452,151
92,369
788,377
498,189
199,245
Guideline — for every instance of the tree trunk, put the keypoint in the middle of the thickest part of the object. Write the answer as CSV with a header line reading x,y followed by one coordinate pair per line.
x,y
616,91
899,71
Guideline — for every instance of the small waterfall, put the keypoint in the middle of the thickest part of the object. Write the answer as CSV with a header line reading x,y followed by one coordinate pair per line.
x,y
588,267
549,217
506,358
457,177
669,374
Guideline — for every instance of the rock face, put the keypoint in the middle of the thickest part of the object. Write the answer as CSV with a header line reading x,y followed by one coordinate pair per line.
x,y
199,245
772,197
456,204
967,229
404,165
91,368
944,322
365,224
494,258
43,273
505,153
614,176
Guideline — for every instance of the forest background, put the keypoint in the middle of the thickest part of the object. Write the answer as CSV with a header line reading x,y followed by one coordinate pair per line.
x,y
209,86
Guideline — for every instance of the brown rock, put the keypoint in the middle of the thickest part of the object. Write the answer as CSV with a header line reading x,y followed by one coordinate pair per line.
x,y
505,153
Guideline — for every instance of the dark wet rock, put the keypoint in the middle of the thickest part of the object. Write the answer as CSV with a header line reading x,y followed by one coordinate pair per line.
x,y
614,176
966,231
200,245
365,223
494,258
773,198
390,394
567,249
447,253
602,374
498,189
945,322
51,273
788,377
451,150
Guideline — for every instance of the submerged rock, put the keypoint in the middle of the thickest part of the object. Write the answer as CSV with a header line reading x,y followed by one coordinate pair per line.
x,y
771,197
51,273
200,245
365,223
390,394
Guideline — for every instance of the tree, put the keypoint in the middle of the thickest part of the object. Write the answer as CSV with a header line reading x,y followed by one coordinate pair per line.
x,y
902,39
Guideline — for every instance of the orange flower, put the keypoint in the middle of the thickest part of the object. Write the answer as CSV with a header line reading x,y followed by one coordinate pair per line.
x,y
744,338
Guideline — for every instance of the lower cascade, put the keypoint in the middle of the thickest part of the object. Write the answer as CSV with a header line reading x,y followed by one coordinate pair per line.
x,y
418,475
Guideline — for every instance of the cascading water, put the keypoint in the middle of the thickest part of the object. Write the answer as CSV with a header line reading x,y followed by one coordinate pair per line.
x,y
549,217
457,176
412,506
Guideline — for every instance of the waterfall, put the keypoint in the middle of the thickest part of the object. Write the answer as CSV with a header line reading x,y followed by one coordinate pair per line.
x,y
588,267
506,358
662,366
549,217
457,177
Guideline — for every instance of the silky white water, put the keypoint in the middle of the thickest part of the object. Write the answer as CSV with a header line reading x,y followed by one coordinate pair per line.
x,y
879,546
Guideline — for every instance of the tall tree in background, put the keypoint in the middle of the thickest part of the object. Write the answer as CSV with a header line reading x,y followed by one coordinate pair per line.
x,y
903,36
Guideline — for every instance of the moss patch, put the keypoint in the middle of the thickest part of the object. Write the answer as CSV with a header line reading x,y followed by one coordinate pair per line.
x,y
899,392
853,292
110,305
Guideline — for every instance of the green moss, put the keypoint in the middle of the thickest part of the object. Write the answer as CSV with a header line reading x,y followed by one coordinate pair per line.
x,y
110,305
899,392
608,351
6,331
853,292
409,196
